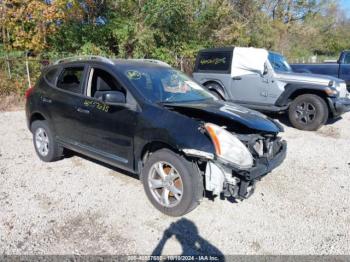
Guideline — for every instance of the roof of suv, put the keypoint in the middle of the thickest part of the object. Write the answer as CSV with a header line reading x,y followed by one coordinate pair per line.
x,y
105,60
217,49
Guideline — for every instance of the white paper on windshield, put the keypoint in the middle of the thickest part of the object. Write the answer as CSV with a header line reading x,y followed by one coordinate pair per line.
x,y
248,60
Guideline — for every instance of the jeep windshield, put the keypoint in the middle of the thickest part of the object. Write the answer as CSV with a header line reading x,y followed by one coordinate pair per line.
x,y
279,63
166,85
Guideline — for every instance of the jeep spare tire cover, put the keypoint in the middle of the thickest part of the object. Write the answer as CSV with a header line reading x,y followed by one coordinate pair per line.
x,y
248,60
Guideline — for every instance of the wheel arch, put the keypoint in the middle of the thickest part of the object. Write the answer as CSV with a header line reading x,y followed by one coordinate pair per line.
x,y
220,90
299,92
151,147
293,91
36,116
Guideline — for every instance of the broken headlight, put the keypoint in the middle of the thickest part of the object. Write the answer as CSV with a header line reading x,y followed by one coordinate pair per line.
x,y
228,147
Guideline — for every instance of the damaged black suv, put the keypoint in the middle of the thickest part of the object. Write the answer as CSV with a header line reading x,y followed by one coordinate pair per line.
x,y
147,118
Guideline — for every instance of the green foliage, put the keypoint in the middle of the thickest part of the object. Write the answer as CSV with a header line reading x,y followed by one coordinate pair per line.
x,y
172,31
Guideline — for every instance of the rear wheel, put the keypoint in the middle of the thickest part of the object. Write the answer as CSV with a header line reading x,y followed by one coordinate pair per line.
x,y
172,183
308,112
45,146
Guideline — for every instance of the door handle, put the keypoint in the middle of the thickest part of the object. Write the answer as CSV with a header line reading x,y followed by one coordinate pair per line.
x,y
46,100
237,78
84,111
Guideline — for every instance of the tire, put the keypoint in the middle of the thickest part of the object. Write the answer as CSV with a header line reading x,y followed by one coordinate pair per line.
x,y
45,145
212,87
177,172
308,112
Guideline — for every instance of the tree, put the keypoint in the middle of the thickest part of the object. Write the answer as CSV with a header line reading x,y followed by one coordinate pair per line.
x,y
29,23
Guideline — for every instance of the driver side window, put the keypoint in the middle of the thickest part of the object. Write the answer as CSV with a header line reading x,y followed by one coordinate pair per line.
x,y
101,82
347,59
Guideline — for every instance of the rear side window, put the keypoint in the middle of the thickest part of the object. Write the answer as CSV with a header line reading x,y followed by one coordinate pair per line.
x,y
215,61
71,79
51,76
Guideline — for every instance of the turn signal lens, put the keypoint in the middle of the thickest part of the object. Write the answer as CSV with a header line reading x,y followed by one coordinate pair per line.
x,y
214,138
331,92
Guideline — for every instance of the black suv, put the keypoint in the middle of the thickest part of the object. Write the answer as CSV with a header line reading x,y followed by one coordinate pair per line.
x,y
147,118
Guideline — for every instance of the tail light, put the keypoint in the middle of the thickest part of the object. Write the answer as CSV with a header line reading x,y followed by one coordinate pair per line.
x,y
29,91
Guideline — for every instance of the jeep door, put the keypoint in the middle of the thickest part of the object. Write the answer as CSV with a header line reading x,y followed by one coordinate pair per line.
x,y
63,102
250,89
109,132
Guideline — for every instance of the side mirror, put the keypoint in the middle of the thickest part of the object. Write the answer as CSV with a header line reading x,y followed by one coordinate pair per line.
x,y
114,97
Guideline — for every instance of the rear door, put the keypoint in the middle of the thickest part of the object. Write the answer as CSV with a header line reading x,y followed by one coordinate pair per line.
x,y
65,100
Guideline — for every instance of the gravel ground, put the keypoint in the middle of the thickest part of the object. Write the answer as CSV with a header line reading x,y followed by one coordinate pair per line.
x,y
81,207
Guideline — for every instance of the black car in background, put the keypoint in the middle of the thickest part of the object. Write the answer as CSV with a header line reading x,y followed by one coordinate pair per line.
x,y
147,118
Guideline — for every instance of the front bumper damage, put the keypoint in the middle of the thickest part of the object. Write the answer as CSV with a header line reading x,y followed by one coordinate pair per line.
x,y
240,183
339,106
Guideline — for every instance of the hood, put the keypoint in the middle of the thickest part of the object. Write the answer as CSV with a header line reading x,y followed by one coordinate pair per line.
x,y
236,118
293,77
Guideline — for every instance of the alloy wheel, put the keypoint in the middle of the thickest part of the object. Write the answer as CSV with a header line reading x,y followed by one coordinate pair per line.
x,y
165,184
305,113
42,141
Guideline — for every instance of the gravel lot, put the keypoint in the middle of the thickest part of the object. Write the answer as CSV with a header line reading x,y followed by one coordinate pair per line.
x,y
78,206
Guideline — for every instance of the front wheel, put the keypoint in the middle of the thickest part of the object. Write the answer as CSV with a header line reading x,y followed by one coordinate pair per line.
x,y
308,112
172,183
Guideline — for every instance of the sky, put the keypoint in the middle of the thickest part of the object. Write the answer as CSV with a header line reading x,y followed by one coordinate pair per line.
x,y
345,4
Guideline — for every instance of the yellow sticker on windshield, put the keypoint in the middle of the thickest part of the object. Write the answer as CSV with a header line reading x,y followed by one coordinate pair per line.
x,y
133,74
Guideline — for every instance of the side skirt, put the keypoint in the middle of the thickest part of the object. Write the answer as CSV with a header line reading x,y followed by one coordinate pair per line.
x,y
104,157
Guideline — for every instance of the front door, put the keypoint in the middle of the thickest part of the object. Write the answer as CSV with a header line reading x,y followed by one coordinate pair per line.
x,y
250,89
344,69
110,130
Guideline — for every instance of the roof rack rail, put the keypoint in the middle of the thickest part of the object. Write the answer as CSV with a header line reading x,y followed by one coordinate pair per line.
x,y
155,61
86,57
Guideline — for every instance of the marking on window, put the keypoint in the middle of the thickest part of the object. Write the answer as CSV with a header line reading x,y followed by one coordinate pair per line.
x,y
133,74
213,61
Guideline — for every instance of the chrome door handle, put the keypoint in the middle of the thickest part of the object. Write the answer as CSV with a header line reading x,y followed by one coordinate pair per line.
x,y
84,111
46,100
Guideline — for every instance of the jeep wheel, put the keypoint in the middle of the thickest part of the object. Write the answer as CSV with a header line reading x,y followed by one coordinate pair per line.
x,y
308,112
172,183
45,146
212,88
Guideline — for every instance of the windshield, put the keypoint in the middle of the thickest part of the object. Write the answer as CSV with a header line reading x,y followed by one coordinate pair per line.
x,y
166,85
279,63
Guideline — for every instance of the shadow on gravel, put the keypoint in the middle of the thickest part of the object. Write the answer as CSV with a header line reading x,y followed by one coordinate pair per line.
x,y
186,232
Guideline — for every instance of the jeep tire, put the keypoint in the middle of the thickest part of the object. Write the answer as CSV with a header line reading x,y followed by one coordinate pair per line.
x,y
308,112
